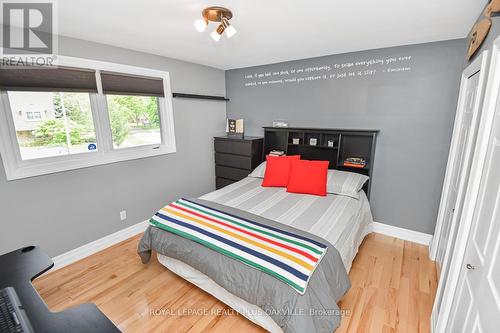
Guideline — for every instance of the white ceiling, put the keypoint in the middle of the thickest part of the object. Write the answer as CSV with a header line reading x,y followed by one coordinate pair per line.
x,y
268,31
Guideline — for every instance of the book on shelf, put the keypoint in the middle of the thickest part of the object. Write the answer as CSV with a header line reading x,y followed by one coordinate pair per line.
x,y
355,162
354,165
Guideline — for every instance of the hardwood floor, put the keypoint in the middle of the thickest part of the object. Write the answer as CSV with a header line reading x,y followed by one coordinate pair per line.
x,y
393,288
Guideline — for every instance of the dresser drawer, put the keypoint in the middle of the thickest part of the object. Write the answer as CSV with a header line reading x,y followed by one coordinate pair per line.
x,y
221,182
236,161
233,147
230,173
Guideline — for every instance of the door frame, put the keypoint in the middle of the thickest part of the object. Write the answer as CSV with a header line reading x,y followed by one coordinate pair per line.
x,y
478,65
491,103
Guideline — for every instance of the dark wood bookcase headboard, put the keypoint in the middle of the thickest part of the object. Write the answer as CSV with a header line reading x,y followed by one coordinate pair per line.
x,y
346,143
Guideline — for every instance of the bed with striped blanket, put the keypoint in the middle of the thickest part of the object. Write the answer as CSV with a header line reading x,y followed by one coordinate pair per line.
x,y
287,256
294,276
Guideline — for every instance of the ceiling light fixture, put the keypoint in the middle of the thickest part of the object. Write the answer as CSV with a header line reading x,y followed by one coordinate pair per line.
x,y
219,15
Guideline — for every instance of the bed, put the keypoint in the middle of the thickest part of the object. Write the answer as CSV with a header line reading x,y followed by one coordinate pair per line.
x,y
338,221
341,220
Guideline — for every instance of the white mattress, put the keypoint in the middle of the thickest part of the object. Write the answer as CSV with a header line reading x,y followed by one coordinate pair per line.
x,y
341,220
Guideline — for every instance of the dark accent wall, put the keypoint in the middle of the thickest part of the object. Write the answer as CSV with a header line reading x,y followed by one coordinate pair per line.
x,y
410,97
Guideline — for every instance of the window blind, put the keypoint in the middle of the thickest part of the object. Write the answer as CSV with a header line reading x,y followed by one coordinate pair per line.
x,y
65,79
125,84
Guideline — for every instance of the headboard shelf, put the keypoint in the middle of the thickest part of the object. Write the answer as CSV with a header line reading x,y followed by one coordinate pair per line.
x,y
328,144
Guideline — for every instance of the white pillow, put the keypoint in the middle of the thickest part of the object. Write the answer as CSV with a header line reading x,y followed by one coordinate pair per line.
x,y
259,171
338,182
345,183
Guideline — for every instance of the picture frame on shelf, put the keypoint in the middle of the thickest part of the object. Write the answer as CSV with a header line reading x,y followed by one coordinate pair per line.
x,y
235,128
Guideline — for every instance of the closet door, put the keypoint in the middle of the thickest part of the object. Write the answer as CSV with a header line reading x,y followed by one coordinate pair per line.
x,y
477,301
461,161
462,147
470,295
469,111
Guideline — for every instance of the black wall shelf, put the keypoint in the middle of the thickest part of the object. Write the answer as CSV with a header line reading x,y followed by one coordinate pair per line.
x,y
194,96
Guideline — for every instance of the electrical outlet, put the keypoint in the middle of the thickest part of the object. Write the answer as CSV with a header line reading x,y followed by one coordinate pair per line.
x,y
123,215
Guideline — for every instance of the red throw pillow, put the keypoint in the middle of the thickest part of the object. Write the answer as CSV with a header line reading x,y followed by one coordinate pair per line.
x,y
278,170
308,177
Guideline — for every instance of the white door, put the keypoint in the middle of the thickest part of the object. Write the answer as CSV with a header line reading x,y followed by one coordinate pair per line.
x,y
460,164
477,301
469,114
464,137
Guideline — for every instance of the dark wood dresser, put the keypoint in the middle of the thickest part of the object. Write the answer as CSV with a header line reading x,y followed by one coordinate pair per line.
x,y
236,158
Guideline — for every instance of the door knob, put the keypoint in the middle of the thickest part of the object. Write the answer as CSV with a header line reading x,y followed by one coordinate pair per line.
x,y
470,267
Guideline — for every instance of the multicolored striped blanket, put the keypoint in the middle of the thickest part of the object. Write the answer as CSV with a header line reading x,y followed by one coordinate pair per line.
x,y
287,256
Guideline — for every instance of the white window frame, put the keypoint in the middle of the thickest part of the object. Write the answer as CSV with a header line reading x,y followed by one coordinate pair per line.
x,y
17,168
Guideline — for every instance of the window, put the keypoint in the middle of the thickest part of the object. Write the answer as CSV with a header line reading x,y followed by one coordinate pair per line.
x,y
33,116
135,120
68,127
80,114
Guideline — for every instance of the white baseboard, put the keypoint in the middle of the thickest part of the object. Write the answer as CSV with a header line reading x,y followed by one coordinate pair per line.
x,y
406,234
97,245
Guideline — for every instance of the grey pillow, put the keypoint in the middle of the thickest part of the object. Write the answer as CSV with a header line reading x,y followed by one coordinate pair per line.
x,y
259,171
345,183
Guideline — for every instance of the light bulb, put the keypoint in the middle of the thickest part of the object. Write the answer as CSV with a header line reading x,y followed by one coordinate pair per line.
x,y
215,35
218,32
200,25
230,31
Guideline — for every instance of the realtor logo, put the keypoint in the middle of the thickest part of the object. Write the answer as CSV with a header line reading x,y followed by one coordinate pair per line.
x,y
28,32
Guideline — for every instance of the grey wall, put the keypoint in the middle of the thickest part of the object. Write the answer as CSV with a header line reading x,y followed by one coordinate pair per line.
x,y
414,111
62,211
